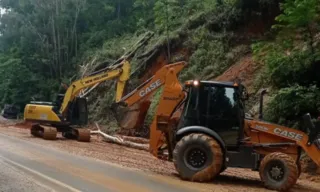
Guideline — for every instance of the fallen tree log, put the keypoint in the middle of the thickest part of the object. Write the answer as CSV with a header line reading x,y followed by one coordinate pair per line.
x,y
118,140
127,55
134,139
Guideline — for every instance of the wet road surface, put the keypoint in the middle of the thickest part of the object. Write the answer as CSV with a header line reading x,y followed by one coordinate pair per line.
x,y
27,166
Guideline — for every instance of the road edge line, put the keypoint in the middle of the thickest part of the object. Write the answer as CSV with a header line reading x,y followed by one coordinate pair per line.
x,y
50,179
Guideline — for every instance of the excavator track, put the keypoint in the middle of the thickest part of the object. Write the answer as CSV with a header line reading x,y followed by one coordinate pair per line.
x,y
45,132
82,134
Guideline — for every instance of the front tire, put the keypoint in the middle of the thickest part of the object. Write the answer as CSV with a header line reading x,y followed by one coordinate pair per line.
x,y
198,157
278,171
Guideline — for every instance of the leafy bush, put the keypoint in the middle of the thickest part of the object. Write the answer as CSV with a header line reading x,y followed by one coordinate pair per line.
x,y
285,64
209,54
290,63
287,70
153,106
289,104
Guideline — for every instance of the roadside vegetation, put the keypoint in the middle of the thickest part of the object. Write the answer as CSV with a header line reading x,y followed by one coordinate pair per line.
x,y
44,43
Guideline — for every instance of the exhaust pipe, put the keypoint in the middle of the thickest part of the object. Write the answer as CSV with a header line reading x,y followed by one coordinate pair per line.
x,y
263,92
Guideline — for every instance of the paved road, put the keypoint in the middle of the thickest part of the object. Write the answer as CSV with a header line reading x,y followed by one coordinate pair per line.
x,y
12,179
27,166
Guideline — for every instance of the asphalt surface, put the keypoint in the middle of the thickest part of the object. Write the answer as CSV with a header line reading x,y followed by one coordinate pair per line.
x,y
27,166
12,179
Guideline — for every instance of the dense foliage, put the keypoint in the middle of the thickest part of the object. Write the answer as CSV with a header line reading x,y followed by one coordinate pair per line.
x,y
292,62
43,43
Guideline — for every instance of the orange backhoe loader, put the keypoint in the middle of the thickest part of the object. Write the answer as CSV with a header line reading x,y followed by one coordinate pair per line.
x,y
204,128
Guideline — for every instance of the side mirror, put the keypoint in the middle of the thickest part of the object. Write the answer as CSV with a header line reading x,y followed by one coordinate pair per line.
x,y
244,94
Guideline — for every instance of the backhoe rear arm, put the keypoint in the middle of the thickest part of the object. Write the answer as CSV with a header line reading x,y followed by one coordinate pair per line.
x,y
152,84
122,72
171,97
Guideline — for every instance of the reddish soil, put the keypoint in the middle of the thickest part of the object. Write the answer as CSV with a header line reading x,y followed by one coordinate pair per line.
x,y
244,69
23,125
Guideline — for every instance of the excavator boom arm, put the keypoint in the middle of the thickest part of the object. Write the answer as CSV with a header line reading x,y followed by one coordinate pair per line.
x,y
123,72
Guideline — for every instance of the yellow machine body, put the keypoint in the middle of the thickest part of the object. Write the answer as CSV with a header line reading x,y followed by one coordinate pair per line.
x,y
36,112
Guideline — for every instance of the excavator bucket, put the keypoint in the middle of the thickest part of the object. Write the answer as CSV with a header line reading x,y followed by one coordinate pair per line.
x,y
131,117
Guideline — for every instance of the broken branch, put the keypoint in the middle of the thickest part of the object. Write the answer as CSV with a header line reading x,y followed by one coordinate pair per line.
x,y
119,141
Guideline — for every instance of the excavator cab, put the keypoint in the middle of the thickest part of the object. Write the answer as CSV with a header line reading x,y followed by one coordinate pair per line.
x,y
59,100
78,112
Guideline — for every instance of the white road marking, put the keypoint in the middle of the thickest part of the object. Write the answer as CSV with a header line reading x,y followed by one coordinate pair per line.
x,y
63,185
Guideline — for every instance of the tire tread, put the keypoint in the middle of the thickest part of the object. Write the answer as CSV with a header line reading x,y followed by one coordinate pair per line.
x,y
210,171
292,168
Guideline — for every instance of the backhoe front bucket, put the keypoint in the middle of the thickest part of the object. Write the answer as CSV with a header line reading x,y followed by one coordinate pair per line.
x,y
131,117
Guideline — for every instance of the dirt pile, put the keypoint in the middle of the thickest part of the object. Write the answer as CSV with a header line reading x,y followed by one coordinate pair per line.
x,y
23,125
310,168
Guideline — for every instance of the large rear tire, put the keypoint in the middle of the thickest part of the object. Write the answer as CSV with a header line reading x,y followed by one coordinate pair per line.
x,y
278,171
198,157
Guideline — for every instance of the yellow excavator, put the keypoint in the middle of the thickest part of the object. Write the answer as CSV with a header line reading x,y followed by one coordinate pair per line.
x,y
69,113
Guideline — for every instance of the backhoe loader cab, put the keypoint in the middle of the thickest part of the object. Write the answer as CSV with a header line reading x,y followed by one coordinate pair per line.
x,y
213,134
215,106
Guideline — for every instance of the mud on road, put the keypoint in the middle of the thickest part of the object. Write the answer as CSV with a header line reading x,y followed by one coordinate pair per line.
x,y
232,179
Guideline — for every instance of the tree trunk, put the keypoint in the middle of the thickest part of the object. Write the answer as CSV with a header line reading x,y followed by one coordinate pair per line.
x,y
54,45
119,10
74,30
134,139
119,141
58,41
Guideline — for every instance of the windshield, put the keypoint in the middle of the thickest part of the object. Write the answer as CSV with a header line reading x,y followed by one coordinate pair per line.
x,y
216,101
